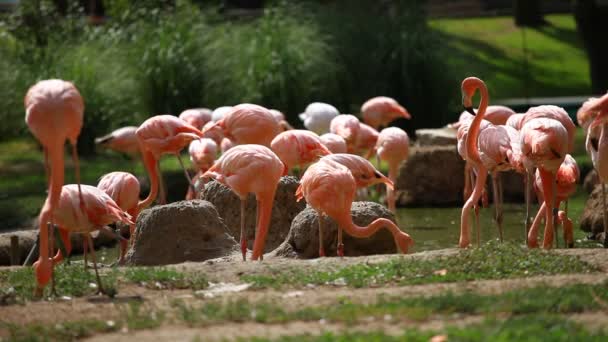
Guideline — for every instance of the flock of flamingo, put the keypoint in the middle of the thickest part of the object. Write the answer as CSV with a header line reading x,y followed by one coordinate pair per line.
x,y
257,146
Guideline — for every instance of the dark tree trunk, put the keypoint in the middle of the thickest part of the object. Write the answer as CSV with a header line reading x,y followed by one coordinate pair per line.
x,y
528,13
62,6
592,25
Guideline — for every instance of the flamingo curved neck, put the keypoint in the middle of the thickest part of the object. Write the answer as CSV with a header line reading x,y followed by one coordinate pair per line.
x,y
472,137
354,230
150,162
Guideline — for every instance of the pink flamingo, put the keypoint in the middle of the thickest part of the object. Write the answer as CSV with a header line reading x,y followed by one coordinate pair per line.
x,y
393,147
93,211
381,110
249,124
54,113
225,145
333,142
365,175
202,155
256,169
163,134
347,126
196,117
366,140
123,188
329,188
597,147
280,117
213,132
317,117
544,144
567,177
496,115
298,148
219,112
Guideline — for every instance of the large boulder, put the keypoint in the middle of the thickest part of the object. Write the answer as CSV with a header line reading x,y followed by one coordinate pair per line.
x,y
436,136
592,219
432,175
178,232
591,181
284,209
303,239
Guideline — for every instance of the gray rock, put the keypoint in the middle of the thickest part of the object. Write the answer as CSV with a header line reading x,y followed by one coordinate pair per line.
x,y
432,175
436,136
178,232
303,239
284,210
590,182
592,219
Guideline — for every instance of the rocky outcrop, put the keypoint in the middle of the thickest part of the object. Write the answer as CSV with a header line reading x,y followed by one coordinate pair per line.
x,y
303,239
178,232
592,219
284,210
436,137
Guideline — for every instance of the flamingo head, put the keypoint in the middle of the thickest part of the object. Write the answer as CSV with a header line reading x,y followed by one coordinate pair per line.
x,y
44,272
469,87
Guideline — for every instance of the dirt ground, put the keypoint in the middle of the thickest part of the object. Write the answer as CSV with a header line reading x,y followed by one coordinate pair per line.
x,y
230,269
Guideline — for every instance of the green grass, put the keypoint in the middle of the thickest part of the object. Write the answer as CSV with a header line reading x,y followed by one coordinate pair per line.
x,y
159,277
491,261
492,49
526,328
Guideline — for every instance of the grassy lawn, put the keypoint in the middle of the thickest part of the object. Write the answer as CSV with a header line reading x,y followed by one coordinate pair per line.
x,y
492,49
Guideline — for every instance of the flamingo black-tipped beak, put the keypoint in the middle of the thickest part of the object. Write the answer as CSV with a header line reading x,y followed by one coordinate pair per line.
x,y
385,180
470,110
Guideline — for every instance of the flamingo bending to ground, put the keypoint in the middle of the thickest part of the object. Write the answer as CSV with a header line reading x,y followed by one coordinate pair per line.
x,y
393,147
123,188
381,110
202,155
298,148
93,211
248,124
567,176
163,134
196,117
54,113
347,126
256,169
329,188
317,117
333,142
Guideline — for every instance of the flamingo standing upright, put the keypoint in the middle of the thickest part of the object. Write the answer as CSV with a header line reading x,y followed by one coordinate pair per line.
x,y
393,147
298,148
329,188
317,117
381,110
248,124
567,176
94,210
333,142
202,154
251,168
123,188
163,134
54,113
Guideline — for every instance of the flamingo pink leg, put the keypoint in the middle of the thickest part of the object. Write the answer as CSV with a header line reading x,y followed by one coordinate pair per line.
x,y
243,232
464,224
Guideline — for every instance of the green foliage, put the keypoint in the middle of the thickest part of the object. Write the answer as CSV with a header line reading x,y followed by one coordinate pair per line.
x,y
492,261
160,277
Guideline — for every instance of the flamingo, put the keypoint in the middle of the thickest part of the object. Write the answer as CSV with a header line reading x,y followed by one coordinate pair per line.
x,y
219,112
214,132
160,135
196,117
381,110
280,117
94,210
123,188
347,126
544,144
393,147
226,144
124,140
333,142
298,148
597,146
366,140
567,176
496,115
317,116
248,124
329,188
54,113
251,168
364,172
202,155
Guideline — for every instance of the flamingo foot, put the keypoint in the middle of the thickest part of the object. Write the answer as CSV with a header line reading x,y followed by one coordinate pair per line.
x,y
341,250
244,248
464,243
532,243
